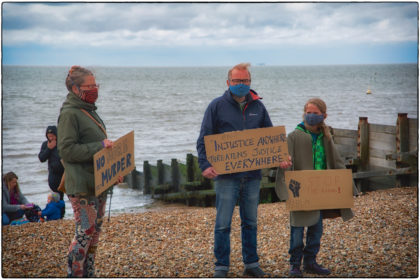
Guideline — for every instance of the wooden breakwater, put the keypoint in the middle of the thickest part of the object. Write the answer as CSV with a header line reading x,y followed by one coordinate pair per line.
x,y
380,156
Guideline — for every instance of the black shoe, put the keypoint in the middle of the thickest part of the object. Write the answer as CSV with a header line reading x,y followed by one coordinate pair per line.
x,y
316,269
255,272
295,271
220,274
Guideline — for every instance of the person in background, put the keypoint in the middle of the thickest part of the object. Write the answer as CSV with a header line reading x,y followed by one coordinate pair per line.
x,y
239,108
53,208
311,147
14,203
55,168
82,134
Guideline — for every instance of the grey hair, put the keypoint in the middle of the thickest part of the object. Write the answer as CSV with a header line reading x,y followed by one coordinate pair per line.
x,y
55,196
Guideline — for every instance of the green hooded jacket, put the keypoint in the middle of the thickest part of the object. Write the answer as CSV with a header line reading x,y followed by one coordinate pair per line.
x,y
78,139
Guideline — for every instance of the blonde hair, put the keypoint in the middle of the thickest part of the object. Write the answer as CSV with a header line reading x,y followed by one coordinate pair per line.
x,y
322,106
240,66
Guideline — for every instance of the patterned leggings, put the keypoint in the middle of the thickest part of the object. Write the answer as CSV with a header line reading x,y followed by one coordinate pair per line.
x,y
88,214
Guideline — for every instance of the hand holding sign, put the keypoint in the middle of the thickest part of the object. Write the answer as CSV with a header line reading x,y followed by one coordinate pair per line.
x,y
246,150
210,173
287,163
113,162
107,143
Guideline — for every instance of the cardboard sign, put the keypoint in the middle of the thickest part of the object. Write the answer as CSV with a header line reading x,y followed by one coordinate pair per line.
x,y
110,163
319,189
246,150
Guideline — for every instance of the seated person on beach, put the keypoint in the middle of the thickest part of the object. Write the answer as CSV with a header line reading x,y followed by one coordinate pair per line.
x,y
14,203
53,208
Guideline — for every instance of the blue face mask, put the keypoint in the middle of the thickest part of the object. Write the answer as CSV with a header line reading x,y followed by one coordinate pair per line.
x,y
313,119
239,90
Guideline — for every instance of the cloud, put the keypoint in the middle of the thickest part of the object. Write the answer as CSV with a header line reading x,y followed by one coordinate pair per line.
x,y
128,25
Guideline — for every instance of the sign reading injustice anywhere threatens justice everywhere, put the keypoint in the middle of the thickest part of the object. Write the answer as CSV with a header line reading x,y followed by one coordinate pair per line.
x,y
319,189
246,150
110,163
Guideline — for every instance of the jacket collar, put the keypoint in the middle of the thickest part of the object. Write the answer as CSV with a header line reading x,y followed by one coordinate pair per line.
x,y
73,101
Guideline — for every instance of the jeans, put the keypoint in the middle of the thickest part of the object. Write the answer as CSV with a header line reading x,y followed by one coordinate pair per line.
x,y
8,217
228,191
313,243
5,219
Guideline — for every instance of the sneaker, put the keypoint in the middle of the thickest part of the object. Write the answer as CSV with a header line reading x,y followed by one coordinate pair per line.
x,y
220,274
255,272
295,271
316,269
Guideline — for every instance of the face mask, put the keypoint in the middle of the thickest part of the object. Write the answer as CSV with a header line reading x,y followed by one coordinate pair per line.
x,y
89,95
313,119
240,90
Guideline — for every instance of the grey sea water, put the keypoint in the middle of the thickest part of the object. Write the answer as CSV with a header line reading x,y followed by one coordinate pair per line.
x,y
165,106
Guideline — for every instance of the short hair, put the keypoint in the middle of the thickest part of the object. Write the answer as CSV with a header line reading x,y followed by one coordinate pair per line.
x,y
240,66
55,196
76,76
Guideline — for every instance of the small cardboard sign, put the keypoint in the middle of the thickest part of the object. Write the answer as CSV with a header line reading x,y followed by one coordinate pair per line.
x,y
110,163
319,189
246,150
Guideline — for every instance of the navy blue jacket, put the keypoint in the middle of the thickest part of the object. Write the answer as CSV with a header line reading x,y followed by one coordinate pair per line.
x,y
55,168
53,210
224,115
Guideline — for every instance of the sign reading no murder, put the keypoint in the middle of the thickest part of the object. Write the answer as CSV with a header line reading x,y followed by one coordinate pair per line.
x,y
110,163
246,150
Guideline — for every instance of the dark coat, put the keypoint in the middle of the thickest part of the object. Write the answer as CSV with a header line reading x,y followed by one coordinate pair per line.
x,y
55,168
224,115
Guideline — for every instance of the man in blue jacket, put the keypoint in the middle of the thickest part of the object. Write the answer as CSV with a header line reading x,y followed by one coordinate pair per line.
x,y
239,108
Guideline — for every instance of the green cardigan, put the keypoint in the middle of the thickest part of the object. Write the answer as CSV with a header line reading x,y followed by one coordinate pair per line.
x,y
79,138
300,149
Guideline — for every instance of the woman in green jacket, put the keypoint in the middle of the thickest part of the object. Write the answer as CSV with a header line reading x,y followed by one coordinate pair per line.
x,y
81,133
311,148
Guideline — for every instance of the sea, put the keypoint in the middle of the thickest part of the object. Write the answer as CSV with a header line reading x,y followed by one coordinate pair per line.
x,y
165,106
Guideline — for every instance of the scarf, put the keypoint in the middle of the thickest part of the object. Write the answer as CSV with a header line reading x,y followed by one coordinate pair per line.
x,y
318,150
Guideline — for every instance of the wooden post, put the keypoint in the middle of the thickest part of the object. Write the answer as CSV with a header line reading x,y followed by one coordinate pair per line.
x,y
176,181
131,179
161,172
402,144
363,150
190,168
363,142
147,178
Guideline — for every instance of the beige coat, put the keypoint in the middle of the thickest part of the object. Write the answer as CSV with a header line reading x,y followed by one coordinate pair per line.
x,y
300,149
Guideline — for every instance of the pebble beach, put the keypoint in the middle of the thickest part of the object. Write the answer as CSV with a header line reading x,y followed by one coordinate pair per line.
x,y
177,241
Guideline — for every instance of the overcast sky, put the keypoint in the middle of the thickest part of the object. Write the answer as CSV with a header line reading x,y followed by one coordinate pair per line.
x,y
208,34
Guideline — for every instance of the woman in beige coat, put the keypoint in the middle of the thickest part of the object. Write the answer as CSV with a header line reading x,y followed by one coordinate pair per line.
x,y
311,148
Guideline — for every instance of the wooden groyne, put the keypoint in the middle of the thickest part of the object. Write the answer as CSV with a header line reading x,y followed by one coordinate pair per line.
x,y
380,156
